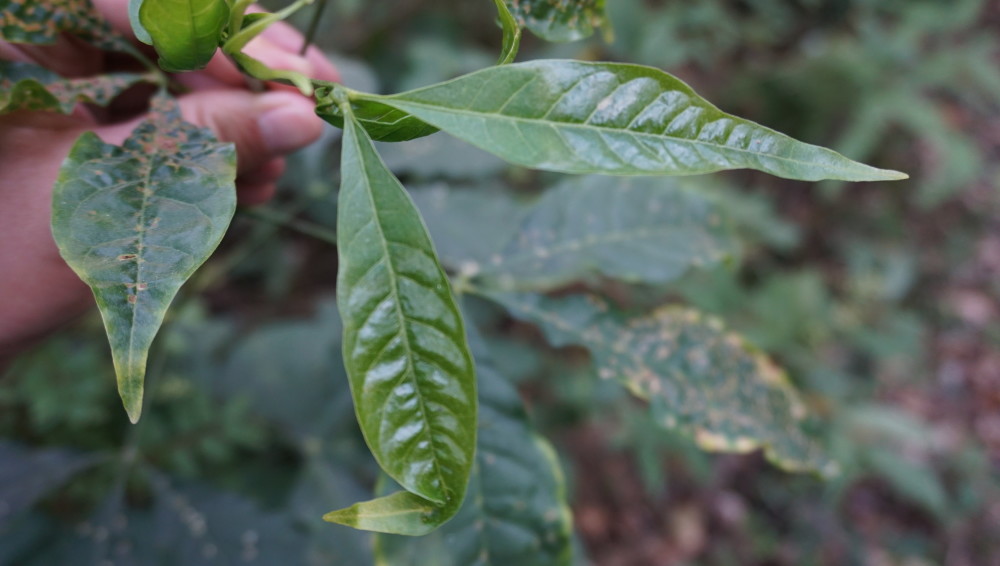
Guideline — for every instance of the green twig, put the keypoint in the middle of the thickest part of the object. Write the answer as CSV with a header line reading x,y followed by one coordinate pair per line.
x,y
289,221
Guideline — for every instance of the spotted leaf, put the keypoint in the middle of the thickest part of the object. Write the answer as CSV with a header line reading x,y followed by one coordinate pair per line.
x,y
698,378
560,20
613,119
405,350
41,21
134,222
24,86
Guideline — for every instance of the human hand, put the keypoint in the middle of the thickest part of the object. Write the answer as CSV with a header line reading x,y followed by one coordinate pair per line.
x,y
39,290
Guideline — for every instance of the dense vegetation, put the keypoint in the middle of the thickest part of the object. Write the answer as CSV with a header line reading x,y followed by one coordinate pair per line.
x,y
880,300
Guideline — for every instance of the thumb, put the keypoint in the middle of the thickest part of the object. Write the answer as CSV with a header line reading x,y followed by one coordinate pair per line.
x,y
263,126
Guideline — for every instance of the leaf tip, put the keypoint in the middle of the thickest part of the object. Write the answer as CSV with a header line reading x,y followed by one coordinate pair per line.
x,y
133,407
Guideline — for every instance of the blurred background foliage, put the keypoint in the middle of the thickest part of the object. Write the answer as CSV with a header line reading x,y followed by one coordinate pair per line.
x,y
881,301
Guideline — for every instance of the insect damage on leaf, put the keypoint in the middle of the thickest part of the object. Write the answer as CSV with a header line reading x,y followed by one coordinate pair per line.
x,y
134,222
41,21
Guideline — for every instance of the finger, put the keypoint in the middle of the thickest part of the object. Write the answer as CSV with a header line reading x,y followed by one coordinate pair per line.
x,y
263,126
259,185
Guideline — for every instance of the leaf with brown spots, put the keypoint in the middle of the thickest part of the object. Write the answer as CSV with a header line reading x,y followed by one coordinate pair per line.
x,y
41,21
24,86
698,378
560,20
135,221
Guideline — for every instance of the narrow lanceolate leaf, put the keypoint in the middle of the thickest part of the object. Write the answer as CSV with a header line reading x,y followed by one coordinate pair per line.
x,y
24,86
515,511
383,123
511,33
614,119
639,230
41,21
134,222
560,20
405,349
697,377
185,33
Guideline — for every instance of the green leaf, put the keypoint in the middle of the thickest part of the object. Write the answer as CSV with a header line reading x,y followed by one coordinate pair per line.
x,y
698,378
134,222
641,230
133,19
185,33
41,22
560,20
383,123
511,33
614,119
515,511
405,351
24,86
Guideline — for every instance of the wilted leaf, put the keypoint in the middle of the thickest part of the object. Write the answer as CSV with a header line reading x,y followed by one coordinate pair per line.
x,y
41,21
134,222
614,119
383,123
185,34
515,511
560,20
405,350
636,230
24,86
27,474
697,377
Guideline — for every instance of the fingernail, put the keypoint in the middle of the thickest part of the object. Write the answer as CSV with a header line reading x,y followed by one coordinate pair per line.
x,y
287,122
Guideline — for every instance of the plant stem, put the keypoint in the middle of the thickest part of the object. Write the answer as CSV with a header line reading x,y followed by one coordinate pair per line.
x,y
313,26
286,220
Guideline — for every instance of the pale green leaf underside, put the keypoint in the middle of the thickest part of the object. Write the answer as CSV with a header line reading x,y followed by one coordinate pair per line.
x,y
613,119
185,33
24,86
133,19
405,350
134,222
515,511
697,377
41,22
638,230
560,20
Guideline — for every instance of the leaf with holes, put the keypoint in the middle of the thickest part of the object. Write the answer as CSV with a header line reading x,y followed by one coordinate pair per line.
x,y
405,351
383,123
698,378
639,230
41,22
560,20
613,119
185,34
24,86
515,511
134,222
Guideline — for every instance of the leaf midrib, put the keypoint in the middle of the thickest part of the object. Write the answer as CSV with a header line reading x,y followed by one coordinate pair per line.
x,y
394,282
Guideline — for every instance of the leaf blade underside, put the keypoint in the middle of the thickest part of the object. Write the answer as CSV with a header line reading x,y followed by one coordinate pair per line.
x,y
184,35
407,359
613,119
134,222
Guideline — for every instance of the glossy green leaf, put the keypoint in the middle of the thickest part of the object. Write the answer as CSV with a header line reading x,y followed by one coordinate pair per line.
x,y
511,33
24,86
185,33
698,378
560,20
632,229
614,119
515,511
134,222
383,123
405,351
41,21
